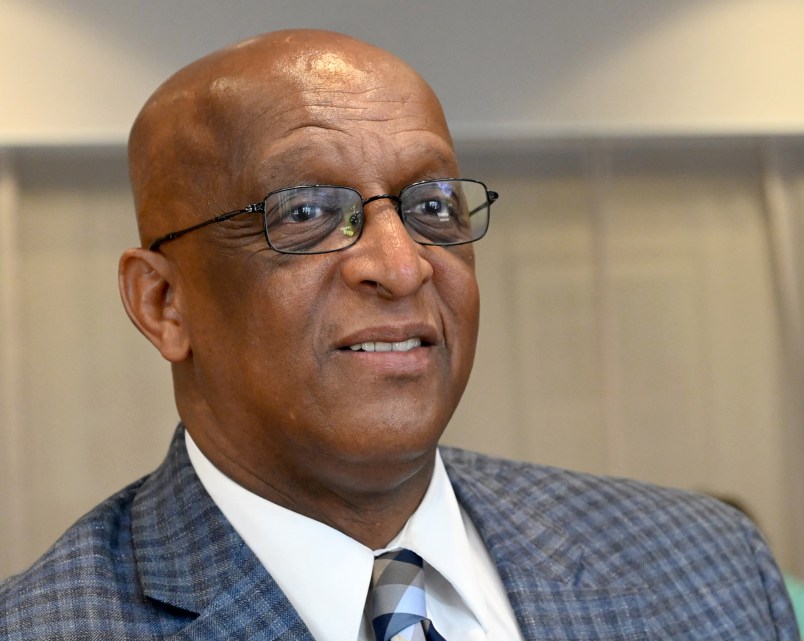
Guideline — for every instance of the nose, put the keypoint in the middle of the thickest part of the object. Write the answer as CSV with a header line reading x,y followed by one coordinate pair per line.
x,y
385,260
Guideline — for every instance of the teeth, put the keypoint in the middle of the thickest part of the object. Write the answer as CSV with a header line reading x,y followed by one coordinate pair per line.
x,y
379,346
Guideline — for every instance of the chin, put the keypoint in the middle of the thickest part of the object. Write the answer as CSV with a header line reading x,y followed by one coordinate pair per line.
x,y
387,442
382,470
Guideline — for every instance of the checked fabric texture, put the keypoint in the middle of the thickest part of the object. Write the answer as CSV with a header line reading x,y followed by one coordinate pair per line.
x,y
398,611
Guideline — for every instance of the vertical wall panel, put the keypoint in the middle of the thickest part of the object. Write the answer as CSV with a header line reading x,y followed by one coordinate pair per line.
x,y
95,402
783,189
12,467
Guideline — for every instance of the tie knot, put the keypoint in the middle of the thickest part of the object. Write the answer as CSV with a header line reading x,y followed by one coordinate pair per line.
x,y
398,567
397,596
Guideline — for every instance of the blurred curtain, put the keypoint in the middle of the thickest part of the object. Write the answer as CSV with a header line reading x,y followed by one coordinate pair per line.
x,y
783,184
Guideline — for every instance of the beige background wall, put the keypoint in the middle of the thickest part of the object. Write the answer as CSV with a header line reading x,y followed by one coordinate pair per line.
x,y
641,313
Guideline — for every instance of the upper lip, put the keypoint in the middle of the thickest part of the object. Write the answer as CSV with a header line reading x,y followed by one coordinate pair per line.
x,y
395,333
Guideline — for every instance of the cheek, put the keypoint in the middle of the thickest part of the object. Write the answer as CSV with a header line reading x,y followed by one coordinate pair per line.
x,y
257,310
454,278
283,305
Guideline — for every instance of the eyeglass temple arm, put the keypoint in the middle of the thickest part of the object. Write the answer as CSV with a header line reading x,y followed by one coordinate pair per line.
x,y
491,196
251,209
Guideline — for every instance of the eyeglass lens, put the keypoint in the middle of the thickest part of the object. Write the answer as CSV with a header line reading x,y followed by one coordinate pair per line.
x,y
321,219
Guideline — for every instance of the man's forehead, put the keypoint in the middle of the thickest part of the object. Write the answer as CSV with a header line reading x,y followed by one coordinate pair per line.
x,y
249,89
342,161
323,86
308,138
318,98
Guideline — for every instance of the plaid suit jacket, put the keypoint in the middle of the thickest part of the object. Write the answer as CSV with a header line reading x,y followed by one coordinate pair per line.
x,y
582,558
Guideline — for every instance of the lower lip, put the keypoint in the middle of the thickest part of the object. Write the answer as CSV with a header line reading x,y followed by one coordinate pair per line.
x,y
414,361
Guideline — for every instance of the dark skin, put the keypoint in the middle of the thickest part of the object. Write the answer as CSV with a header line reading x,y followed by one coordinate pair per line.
x,y
258,341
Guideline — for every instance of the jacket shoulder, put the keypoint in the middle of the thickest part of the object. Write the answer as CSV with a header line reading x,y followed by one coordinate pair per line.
x,y
87,581
677,549
586,501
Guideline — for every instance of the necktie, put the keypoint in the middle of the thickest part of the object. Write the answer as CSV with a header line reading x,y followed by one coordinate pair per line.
x,y
397,599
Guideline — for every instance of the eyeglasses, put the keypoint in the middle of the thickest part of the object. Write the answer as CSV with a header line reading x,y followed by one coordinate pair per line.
x,y
316,219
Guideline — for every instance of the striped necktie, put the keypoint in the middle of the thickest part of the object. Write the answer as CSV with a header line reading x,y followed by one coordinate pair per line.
x,y
397,599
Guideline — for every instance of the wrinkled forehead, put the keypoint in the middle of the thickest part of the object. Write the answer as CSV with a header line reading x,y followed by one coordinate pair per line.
x,y
322,89
323,100
291,94
269,86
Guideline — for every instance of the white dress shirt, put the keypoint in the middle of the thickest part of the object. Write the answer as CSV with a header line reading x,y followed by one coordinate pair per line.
x,y
325,574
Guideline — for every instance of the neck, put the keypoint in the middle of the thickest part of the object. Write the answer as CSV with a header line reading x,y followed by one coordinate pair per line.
x,y
369,502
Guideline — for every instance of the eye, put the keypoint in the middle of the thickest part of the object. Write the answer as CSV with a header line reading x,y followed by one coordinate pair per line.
x,y
308,219
435,212
435,206
302,213
440,207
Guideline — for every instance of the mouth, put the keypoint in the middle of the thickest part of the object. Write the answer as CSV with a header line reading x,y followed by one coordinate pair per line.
x,y
381,346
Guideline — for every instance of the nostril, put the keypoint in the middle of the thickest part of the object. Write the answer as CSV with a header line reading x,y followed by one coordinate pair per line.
x,y
383,291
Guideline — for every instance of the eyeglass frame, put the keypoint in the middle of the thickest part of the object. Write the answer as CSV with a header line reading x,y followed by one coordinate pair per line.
x,y
259,208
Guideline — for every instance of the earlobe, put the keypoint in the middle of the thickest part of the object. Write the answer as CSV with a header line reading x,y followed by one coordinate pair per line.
x,y
148,292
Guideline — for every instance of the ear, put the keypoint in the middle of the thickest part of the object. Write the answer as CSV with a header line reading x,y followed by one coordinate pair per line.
x,y
147,287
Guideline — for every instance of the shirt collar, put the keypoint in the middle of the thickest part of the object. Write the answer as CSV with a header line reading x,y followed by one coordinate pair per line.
x,y
436,533
324,573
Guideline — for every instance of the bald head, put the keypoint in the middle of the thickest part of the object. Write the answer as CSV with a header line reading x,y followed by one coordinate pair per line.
x,y
192,140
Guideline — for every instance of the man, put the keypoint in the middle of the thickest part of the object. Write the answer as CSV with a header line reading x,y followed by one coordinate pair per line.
x,y
320,338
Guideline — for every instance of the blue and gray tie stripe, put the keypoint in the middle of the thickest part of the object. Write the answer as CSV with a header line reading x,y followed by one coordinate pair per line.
x,y
397,599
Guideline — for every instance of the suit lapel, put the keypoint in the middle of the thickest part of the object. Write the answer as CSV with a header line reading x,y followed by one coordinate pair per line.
x,y
557,591
189,558
252,607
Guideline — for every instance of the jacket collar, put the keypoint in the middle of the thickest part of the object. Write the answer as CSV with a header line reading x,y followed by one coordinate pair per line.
x,y
189,557
558,589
